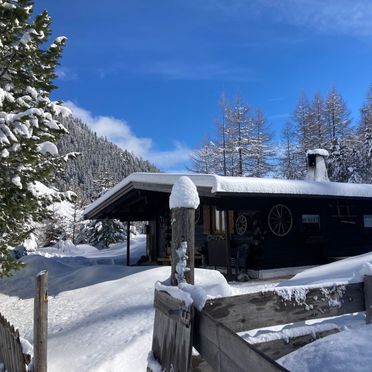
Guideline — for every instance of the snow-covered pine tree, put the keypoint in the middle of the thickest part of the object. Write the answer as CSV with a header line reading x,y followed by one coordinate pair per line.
x,y
28,125
302,124
339,163
366,114
102,233
289,158
239,124
317,123
337,117
205,158
261,152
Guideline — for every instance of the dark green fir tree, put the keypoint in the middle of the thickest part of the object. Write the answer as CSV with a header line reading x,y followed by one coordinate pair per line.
x,y
28,123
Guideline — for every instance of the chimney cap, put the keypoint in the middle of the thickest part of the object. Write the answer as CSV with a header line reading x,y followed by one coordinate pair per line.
x,y
320,152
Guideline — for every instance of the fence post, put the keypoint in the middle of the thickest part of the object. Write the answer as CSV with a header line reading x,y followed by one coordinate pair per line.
x,y
183,201
368,297
41,322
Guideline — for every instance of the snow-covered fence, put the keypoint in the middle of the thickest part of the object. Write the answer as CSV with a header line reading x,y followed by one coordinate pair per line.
x,y
11,354
282,306
172,337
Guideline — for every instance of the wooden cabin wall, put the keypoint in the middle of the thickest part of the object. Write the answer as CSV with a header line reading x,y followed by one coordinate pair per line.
x,y
339,233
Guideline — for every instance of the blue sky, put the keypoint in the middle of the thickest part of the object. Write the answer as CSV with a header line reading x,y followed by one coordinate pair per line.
x,y
149,74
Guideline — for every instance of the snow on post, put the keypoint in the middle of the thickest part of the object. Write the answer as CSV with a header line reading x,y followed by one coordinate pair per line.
x,y
183,201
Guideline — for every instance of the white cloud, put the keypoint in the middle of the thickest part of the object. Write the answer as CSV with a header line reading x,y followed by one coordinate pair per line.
x,y
119,132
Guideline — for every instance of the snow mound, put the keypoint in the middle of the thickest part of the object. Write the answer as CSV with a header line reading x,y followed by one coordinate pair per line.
x,y
184,194
345,351
349,270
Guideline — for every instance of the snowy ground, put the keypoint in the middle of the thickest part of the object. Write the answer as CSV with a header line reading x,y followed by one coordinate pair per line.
x,y
100,311
101,314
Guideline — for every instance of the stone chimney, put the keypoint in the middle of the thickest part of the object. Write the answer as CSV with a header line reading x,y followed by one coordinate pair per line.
x,y
316,165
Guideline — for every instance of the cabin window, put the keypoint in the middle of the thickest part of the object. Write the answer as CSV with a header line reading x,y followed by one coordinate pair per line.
x,y
311,218
218,225
214,220
367,220
311,223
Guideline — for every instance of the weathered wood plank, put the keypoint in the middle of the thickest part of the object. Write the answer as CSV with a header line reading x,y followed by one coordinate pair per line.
x,y
173,308
41,322
257,310
277,348
368,297
10,347
198,364
225,351
172,336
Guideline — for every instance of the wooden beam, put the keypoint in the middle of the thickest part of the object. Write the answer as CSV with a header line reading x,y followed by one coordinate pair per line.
x,y
128,243
368,297
41,322
183,229
275,349
225,351
240,313
228,245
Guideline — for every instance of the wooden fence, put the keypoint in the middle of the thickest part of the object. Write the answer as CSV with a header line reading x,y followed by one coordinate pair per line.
x,y
10,347
213,331
11,354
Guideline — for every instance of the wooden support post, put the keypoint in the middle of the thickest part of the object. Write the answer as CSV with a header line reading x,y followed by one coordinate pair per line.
x,y
41,322
228,245
128,243
183,201
368,297
183,230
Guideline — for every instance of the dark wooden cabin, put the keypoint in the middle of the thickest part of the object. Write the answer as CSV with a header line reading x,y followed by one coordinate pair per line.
x,y
249,224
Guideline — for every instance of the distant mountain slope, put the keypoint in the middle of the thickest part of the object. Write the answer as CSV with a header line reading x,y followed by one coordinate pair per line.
x,y
100,163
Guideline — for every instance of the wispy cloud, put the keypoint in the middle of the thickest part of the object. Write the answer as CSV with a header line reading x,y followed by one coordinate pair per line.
x,y
119,132
328,16
65,74
175,70
350,17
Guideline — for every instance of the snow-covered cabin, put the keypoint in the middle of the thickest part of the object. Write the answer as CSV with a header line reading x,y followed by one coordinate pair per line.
x,y
249,224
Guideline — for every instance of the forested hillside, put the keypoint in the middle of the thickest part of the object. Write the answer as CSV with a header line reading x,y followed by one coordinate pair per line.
x,y
100,164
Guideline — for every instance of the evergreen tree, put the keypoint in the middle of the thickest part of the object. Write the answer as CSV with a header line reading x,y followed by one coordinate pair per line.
x,y
98,156
28,125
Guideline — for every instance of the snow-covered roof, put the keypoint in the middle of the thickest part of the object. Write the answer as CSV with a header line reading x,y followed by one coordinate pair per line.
x,y
242,185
